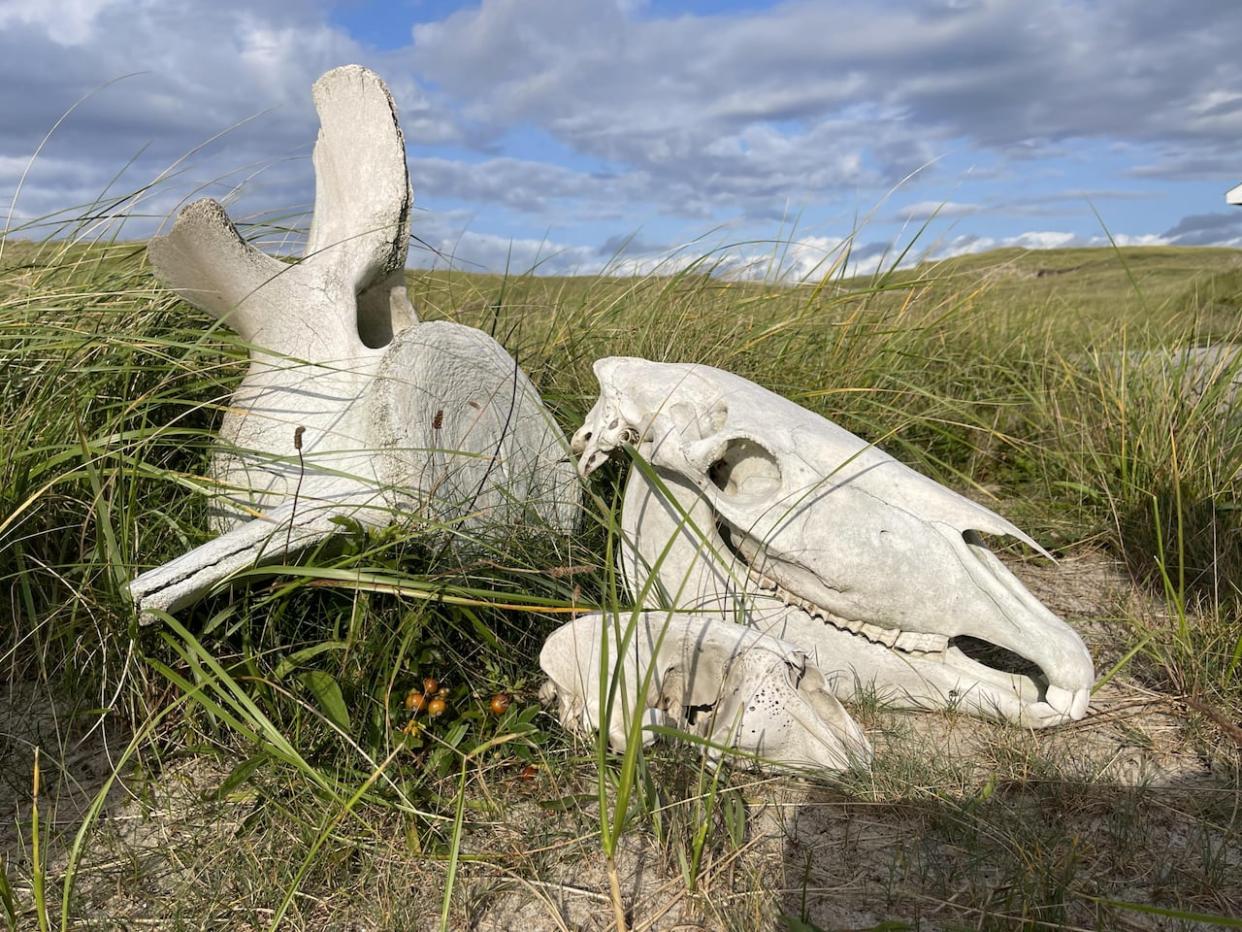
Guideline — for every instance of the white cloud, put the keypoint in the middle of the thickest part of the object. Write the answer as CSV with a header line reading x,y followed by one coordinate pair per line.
x,y
1126,239
967,244
1042,240
627,114
943,210
775,262
65,22
473,252
778,262
228,67
1220,228
521,184
1197,231
686,95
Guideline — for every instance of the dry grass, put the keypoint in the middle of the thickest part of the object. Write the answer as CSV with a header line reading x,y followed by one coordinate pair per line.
x,y
1009,376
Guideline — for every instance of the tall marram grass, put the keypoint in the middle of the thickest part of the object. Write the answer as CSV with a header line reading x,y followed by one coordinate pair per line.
x,y
1035,394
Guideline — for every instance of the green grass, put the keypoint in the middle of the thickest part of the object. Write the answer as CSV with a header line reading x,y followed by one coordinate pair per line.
x,y
1013,376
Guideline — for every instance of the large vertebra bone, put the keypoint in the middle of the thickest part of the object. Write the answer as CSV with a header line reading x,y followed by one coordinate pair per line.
x,y
818,538
351,408
729,684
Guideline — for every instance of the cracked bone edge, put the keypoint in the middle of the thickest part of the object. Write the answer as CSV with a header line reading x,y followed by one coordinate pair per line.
x,y
359,233
360,228
704,675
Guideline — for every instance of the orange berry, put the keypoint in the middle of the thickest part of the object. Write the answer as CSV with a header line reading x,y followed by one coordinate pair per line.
x,y
500,703
415,701
430,684
436,707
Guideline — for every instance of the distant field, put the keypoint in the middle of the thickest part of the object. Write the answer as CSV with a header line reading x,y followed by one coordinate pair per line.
x,y
1043,383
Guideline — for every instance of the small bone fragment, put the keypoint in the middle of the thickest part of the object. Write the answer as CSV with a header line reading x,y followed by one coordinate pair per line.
x,y
706,676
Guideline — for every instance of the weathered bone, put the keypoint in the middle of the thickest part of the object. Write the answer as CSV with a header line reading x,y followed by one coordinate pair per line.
x,y
818,538
729,684
350,407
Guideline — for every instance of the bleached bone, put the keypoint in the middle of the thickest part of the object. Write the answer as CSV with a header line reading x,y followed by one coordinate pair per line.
x,y
877,572
351,408
723,682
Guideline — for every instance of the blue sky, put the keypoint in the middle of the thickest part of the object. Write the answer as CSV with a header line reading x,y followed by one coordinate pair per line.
x,y
571,134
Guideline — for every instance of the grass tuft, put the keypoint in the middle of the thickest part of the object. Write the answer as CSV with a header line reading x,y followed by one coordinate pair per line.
x,y
1036,382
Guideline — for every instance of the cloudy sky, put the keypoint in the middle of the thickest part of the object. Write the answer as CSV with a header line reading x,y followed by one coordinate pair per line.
x,y
569,135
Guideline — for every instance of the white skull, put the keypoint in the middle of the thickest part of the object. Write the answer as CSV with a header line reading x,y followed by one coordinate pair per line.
x,y
723,682
816,537
351,407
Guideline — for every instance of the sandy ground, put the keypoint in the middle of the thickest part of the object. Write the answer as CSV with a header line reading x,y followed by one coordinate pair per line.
x,y
1141,789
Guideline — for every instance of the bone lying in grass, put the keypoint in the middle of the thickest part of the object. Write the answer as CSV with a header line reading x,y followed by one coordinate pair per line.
x,y
722,682
778,515
351,408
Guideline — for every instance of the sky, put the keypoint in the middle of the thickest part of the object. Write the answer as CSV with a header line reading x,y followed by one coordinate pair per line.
x,y
574,136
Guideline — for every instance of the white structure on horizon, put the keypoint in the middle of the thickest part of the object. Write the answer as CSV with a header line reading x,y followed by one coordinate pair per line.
x,y
1234,196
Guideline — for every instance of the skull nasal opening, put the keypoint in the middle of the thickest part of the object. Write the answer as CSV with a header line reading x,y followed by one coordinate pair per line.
x,y
745,468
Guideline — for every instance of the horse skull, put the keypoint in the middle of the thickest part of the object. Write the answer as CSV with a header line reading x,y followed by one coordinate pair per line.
x,y
812,535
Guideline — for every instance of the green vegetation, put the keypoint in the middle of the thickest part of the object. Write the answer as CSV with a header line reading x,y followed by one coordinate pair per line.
x,y
1032,381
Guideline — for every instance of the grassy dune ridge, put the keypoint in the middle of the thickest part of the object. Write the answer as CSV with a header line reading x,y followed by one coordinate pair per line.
x,y
1035,382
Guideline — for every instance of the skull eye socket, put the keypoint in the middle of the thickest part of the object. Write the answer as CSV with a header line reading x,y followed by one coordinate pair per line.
x,y
747,469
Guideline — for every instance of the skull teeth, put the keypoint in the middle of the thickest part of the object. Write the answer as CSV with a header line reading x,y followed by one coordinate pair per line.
x,y
768,585
921,642
911,642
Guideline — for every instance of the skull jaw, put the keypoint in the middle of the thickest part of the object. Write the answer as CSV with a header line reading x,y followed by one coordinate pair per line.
x,y
700,571
859,668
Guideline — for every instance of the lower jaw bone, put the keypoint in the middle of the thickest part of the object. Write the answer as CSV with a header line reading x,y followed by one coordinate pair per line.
x,y
1055,704
939,679
920,670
